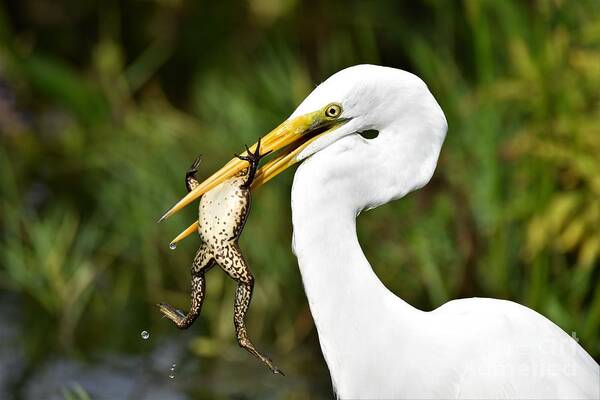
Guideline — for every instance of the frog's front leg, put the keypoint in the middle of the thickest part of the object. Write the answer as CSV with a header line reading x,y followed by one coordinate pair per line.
x,y
190,175
234,264
203,261
253,159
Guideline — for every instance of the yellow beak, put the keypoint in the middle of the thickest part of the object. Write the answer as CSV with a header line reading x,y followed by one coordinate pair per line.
x,y
291,137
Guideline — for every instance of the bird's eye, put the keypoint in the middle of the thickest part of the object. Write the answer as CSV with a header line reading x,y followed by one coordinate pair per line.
x,y
333,110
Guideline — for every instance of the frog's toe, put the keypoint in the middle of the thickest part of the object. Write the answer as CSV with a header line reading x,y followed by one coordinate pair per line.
x,y
277,371
274,369
194,167
196,163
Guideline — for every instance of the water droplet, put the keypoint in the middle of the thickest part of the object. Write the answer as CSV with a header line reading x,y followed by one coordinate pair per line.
x,y
173,246
171,375
145,335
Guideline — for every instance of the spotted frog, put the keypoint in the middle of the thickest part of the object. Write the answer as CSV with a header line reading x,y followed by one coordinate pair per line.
x,y
222,215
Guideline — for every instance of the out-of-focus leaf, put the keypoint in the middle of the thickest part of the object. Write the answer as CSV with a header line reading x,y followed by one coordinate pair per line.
x,y
54,79
590,251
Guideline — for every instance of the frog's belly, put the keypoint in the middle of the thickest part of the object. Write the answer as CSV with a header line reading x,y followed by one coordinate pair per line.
x,y
222,211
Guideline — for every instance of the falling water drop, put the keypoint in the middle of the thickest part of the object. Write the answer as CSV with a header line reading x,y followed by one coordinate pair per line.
x,y
172,373
173,246
145,335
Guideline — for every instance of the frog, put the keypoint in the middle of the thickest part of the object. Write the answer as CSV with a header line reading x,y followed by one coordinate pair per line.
x,y
222,215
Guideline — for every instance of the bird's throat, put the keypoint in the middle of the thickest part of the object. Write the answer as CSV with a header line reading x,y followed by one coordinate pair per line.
x,y
347,300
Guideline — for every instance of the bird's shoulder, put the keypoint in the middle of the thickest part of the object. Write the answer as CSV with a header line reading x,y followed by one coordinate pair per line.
x,y
507,319
482,306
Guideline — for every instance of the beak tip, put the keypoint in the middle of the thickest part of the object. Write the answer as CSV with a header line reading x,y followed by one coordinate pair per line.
x,y
161,219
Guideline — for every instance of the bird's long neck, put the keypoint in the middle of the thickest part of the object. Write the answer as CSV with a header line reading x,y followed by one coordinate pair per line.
x,y
347,300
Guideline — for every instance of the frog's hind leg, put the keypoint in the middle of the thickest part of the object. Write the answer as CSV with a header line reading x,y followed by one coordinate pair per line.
x,y
203,261
190,175
234,264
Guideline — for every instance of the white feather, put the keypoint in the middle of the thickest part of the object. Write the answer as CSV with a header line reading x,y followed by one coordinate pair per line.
x,y
375,344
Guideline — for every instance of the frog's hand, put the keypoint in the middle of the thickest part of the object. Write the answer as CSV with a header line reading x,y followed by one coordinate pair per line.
x,y
253,159
190,175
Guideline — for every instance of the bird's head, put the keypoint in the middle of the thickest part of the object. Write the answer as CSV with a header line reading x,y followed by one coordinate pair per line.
x,y
393,102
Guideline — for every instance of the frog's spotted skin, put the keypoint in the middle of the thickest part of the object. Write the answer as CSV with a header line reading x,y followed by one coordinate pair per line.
x,y
222,216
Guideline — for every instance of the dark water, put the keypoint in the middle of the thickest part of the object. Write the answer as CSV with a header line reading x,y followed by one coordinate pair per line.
x,y
146,376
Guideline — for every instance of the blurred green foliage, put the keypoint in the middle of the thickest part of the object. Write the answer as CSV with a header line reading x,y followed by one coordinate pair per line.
x,y
103,105
75,393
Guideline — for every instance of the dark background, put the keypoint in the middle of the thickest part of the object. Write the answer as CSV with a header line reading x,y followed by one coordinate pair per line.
x,y
105,104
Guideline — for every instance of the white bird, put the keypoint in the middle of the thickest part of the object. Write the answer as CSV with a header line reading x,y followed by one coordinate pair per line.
x,y
376,345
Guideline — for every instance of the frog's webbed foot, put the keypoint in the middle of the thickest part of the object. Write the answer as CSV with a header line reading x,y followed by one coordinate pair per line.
x,y
246,344
175,315
190,175
253,159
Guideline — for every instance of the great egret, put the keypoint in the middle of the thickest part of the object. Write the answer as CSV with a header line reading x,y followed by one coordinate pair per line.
x,y
375,344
